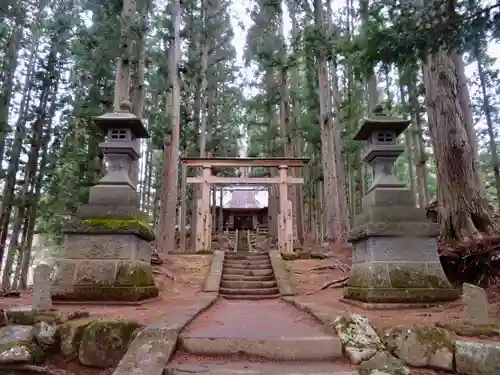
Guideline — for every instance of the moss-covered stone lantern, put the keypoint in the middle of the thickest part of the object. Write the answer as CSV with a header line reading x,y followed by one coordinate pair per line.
x,y
394,246
106,254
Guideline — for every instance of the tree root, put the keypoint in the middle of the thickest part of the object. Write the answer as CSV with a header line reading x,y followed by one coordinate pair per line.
x,y
338,283
340,266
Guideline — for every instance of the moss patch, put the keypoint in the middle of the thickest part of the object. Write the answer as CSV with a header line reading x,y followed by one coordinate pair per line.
x,y
111,226
412,277
469,330
37,353
133,275
393,295
289,256
431,337
104,343
28,317
70,335
97,292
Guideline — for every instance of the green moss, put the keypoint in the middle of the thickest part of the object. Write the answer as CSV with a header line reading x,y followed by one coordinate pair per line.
x,y
411,277
37,353
393,295
120,225
133,275
290,256
468,330
434,338
70,334
107,293
103,343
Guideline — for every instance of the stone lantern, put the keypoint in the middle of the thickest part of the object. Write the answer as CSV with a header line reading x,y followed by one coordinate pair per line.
x,y
106,253
394,246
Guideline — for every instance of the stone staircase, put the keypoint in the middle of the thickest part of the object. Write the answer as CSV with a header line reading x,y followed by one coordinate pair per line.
x,y
248,276
257,338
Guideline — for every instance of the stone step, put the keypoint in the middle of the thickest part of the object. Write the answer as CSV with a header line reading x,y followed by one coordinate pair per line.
x,y
246,272
226,277
237,284
234,297
247,255
314,348
249,291
221,366
247,261
250,266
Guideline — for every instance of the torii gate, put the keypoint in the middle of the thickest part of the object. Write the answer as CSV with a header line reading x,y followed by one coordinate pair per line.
x,y
204,217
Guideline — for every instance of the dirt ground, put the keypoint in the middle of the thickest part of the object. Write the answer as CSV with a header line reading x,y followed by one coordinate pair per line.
x,y
180,278
308,276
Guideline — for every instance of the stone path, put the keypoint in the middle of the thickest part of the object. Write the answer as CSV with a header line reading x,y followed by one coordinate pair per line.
x,y
268,337
248,276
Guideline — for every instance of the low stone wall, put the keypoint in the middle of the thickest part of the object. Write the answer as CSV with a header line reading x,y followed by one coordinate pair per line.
x,y
212,282
29,338
153,347
391,351
281,274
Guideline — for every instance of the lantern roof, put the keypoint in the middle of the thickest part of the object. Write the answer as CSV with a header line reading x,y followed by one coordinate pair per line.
x,y
122,119
380,121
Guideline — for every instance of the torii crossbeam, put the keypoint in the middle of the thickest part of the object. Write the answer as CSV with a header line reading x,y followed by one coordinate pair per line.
x,y
204,218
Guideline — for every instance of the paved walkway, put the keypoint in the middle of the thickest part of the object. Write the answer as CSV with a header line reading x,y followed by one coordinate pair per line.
x,y
253,320
267,337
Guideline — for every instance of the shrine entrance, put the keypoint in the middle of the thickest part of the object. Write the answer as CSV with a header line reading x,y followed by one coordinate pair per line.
x,y
203,235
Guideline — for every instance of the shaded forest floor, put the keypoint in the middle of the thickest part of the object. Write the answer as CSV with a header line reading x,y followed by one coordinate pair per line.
x,y
179,279
309,276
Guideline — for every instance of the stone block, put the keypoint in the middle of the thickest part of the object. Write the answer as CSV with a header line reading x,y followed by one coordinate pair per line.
x,y
386,249
406,229
391,214
477,358
113,195
103,280
476,305
105,246
108,211
382,274
389,197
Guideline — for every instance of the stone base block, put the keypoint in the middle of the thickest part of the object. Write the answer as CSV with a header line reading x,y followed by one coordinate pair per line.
x,y
103,293
103,279
398,295
399,281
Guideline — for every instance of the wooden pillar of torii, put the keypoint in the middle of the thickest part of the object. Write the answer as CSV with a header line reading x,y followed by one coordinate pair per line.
x,y
203,235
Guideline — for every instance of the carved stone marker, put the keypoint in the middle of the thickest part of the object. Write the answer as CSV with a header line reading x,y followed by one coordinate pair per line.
x,y
476,304
41,300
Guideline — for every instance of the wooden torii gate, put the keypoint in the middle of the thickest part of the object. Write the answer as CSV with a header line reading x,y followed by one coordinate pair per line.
x,y
204,218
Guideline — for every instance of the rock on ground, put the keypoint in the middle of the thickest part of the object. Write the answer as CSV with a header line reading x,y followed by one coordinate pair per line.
x,y
383,363
103,343
422,346
359,339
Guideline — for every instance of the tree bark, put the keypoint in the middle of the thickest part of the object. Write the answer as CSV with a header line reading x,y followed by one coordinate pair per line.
x,y
463,211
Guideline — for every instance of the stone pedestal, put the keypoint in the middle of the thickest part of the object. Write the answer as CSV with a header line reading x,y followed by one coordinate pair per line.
x,y
104,259
395,256
105,255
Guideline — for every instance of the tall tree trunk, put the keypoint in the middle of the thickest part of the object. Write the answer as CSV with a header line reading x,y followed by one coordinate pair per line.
x,y
371,79
332,217
463,211
171,160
